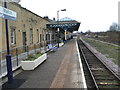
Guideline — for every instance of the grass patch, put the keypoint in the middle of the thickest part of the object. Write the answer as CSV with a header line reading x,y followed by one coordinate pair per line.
x,y
32,57
110,51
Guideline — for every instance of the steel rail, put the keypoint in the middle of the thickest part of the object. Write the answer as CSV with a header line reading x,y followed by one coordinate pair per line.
x,y
102,62
84,57
96,86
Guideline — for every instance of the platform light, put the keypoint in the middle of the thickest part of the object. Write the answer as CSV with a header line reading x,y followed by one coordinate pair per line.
x,y
58,23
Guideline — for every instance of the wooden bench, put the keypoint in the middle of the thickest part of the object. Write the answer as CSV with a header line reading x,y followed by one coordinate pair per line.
x,y
51,47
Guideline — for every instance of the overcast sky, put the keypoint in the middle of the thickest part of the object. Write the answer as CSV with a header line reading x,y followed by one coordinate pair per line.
x,y
94,15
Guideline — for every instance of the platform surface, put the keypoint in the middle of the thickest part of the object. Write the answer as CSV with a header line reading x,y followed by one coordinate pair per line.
x,y
60,70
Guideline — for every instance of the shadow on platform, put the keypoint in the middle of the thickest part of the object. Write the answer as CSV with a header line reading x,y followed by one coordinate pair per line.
x,y
16,84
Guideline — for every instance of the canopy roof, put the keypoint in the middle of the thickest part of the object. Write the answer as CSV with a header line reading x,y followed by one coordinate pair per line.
x,y
66,19
64,24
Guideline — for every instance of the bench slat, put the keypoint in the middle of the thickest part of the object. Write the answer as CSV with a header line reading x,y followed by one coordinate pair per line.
x,y
51,47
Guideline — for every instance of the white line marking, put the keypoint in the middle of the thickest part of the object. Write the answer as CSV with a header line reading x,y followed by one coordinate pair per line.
x,y
81,68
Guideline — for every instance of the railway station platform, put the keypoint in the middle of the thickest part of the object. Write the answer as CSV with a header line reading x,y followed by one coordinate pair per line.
x,y
62,69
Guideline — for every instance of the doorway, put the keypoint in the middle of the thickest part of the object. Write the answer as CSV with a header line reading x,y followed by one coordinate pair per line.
x,y
24,41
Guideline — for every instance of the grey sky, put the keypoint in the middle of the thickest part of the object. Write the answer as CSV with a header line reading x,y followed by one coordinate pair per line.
x,y
94,15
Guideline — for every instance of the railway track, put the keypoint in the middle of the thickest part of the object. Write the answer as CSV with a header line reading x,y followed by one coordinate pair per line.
x,y
97,75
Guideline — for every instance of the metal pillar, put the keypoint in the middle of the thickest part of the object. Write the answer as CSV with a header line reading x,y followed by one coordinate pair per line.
x,y
65,35
58,36
8,56
58,25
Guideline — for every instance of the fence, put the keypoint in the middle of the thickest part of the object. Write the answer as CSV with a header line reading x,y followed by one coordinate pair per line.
x,y
20,53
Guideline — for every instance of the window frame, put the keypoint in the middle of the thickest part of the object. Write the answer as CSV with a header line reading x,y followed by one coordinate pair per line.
x,y
13,36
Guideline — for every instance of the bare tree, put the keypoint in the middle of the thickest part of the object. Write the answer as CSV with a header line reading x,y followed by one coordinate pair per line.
x,y
114,27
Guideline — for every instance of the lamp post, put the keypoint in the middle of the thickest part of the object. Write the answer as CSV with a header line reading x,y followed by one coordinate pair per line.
x,y
8,56
58,23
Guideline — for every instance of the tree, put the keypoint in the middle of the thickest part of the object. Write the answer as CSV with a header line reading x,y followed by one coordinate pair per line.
x,y
118,27
114,27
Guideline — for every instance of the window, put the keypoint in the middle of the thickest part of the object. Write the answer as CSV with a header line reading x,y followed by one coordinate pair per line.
x,y
40,37
37,35
13,36
31,36
47,37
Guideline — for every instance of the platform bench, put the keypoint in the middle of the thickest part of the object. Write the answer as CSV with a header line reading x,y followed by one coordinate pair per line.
x,y
51,47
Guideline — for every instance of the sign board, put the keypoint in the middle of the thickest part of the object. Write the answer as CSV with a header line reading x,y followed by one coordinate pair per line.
x,y
16,1
7,14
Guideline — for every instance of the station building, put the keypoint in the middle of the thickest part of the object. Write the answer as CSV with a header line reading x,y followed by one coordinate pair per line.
x,y
30,29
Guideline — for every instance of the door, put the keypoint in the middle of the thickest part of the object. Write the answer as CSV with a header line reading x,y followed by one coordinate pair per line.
x,y
24,41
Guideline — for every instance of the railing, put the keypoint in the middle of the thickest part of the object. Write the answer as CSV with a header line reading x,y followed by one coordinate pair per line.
x,y
19,53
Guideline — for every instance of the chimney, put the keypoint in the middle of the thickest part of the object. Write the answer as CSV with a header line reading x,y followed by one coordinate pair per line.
x,y
54,19
45,17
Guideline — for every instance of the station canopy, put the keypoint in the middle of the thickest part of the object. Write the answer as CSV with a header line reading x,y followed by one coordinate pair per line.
x,y
64,24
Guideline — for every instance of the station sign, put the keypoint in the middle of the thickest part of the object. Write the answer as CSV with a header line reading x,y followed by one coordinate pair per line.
x,y
7,14
16,1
